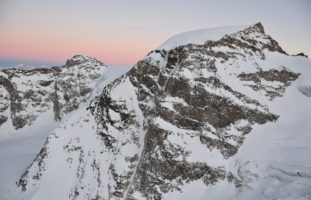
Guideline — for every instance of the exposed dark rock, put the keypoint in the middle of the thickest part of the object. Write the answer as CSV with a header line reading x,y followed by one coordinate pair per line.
x,y
161,172
301,54
45,83
283,76
15,105
56,105
3,119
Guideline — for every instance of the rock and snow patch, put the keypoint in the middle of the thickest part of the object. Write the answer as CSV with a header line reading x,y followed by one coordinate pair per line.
x,y
18,148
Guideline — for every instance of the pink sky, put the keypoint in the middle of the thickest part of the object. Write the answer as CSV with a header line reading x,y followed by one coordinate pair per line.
x,y
123,32
42,45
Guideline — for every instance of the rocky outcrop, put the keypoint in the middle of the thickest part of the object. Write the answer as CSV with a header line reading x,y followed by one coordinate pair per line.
x,y
301,54
15,104
283,78
27,93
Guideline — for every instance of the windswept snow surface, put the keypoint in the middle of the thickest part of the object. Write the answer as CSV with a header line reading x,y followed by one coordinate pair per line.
x,y
18,148
275,158
200,36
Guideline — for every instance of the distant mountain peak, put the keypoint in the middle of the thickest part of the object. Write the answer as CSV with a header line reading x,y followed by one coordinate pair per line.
x,y
80,59
258,27
61,89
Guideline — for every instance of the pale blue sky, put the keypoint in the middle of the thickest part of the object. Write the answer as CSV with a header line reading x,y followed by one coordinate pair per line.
x,y
122,32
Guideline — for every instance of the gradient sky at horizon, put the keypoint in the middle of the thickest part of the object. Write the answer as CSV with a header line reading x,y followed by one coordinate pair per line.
x,y
123,32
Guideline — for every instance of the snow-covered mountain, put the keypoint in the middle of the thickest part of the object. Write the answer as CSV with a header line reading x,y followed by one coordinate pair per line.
x,y
78,81
26,93
212,114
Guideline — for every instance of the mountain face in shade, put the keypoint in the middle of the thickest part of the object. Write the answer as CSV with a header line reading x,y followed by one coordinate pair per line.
x,y
26,93
179,125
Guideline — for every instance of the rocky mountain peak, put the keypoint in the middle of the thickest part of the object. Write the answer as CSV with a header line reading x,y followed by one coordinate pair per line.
x,y
26,93
80,59
246,37
258,27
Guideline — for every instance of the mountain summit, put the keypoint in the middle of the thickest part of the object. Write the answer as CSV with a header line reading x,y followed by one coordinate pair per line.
x,y
194,119
86,60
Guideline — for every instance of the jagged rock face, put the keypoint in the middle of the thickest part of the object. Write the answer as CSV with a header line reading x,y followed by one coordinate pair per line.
x,y
162,125
182,94
26,93
283,77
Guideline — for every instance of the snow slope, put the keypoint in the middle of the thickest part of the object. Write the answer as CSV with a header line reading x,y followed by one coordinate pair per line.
x,y
279,167
18,148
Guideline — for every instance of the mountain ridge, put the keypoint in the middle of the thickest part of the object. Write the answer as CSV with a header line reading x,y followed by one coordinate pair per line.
x,y
177,119
28,86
